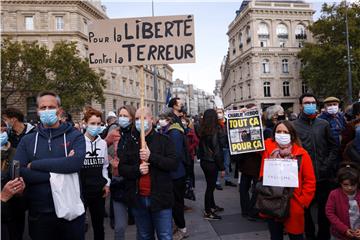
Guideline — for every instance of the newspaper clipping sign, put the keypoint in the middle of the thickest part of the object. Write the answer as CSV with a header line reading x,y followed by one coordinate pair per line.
x,y
281,173
141,41
245,132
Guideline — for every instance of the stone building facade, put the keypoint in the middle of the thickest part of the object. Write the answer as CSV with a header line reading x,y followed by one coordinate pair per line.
x,y
261,65
49,22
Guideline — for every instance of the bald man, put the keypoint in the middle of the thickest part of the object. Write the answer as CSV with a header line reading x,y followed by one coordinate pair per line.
x,y
148,180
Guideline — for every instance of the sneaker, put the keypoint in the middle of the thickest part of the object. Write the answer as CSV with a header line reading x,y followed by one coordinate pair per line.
x,y
178,235
211,216
184,232
229,183
218,187
217,209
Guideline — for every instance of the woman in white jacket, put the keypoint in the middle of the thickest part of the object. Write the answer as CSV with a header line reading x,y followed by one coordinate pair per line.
x,y
94,174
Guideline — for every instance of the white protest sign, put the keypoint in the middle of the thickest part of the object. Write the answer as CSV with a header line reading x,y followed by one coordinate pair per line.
x,y
141,41
281,172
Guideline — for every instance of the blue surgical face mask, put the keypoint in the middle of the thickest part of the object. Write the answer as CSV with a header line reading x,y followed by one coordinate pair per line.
x,y
94,130
310,109
48,117
138,125
4,138
124,122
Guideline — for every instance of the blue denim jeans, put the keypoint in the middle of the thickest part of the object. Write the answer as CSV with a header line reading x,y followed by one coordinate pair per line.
x,y
148,221
227,176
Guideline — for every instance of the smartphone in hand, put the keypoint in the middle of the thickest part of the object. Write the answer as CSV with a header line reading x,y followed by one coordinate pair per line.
x,y
15,173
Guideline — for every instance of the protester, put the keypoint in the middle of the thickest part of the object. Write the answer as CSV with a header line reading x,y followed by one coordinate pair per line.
x,y
176,133
148,182
334,117
223,137
211,160
249,166
193,142
177,108
316,138
111,122
57,148
9,188
273,115
342,207
348,135
117,140
17,129
285,144
94,173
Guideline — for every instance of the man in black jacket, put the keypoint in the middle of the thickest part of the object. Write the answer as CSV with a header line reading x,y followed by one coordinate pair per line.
x,y
148,182
316,138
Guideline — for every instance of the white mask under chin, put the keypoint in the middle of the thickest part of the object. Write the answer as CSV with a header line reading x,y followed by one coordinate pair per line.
x,y
282,138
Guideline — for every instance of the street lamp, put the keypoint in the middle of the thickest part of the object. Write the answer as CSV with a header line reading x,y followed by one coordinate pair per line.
x,y
348,54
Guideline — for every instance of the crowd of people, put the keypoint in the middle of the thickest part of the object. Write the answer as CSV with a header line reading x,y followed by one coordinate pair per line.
x,y
147,182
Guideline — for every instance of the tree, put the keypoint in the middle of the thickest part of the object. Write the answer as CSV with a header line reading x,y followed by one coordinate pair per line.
x,y
325,62
28,68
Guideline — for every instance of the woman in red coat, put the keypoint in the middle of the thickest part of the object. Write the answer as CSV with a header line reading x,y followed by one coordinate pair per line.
x,y
285,144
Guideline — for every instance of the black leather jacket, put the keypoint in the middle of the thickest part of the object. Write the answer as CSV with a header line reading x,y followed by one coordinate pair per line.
x,y
210,150
316,138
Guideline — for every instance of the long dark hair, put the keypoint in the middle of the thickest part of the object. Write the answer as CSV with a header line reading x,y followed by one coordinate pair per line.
x,y
209,123
292,132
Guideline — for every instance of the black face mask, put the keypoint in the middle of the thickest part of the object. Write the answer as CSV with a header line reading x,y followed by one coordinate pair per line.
x,y
281,118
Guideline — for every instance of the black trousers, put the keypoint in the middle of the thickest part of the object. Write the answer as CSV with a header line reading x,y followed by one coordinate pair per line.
x,y
210,171
47,226
178,209
323,190
277,231
247,202
96,207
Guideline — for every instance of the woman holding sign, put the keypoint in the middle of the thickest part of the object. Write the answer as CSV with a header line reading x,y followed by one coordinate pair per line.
x,y
284,148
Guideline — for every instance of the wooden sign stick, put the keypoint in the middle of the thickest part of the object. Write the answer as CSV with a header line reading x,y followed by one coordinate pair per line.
x,y
142,105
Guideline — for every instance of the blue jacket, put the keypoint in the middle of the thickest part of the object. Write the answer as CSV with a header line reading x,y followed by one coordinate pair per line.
x,y
45,149
177,135
337,124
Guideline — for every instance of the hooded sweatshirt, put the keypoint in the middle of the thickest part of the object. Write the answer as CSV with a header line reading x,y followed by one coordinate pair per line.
x,y
15,139
94,173
45,150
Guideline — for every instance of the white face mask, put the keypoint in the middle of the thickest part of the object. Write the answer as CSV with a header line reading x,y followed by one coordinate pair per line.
x,y
163,122
220,116
332,109
282,138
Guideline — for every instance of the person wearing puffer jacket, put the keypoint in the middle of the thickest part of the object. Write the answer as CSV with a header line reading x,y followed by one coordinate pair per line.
x,y
94,173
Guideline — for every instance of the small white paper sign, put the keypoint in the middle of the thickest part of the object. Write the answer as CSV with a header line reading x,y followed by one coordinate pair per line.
x,y
280,172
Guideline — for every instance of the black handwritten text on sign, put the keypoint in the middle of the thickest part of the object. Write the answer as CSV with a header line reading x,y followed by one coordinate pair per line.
x,y
140,41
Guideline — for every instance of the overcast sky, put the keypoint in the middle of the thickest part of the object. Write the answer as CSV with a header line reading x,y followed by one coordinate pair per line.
x,y
211,19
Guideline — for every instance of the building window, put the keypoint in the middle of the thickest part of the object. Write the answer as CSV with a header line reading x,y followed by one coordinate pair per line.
x,y
267,92
114,105
125,102
248,67
263,43
282,31
240,40
248,34
285,66
263,31
282,44
85,26
241,93
286,89
304,87
29,22
249,86
266,66
31,107
59,22
300,32
301,44
233,46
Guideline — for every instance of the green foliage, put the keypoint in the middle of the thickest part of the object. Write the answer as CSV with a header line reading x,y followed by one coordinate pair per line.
x,y
28,68
325,62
